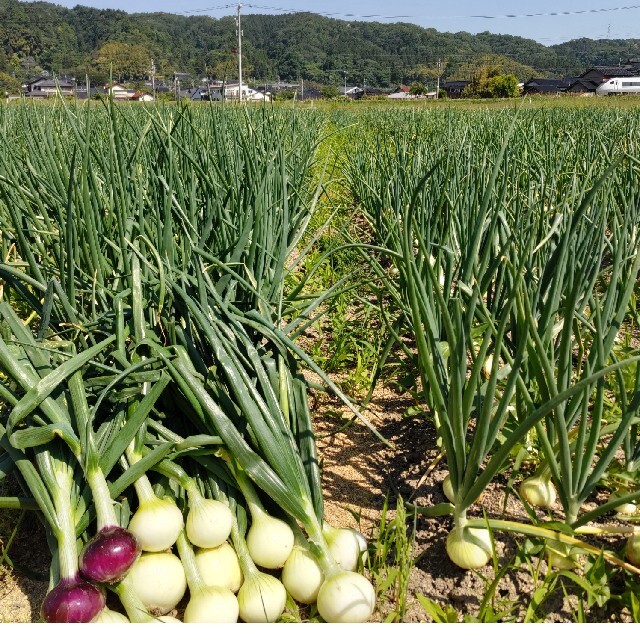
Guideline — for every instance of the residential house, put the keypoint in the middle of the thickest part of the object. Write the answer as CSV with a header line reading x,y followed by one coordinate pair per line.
x,y
141,96
231,91
603,73
351,92
583,87
118,91
546,86
401,93
454,88
46,86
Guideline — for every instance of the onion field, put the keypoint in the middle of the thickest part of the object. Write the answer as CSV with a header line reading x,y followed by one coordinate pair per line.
x,y
195,299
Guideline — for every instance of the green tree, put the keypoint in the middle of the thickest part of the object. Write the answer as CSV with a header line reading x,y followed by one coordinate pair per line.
x,y
8,84
125,61
417,89
504,86
329,91
489,82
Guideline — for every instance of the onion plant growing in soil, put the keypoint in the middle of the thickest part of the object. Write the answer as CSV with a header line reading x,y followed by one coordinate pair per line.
x,y
469,249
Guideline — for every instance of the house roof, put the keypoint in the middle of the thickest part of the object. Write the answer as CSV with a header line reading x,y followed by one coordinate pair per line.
x,y
612,72
50,83
549,82
587,85
455,84
548,85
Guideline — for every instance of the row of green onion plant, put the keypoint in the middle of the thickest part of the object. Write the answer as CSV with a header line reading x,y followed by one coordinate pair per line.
x,y
500,293
182,269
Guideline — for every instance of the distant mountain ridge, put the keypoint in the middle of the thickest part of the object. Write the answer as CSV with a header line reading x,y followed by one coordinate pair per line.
x,y
41,35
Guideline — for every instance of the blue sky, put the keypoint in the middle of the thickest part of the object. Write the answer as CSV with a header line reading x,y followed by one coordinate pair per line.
x,y
574,18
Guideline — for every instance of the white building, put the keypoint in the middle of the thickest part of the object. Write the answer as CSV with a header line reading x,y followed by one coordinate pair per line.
x,y
231,92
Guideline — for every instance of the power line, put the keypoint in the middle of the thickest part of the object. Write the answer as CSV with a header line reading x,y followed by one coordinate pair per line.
x,y
431,17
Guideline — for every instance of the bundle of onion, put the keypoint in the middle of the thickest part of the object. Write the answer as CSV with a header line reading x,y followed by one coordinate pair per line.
x,y
344,596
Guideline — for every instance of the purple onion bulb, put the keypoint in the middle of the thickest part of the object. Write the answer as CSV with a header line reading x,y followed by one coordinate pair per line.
x,y
109,555
73,600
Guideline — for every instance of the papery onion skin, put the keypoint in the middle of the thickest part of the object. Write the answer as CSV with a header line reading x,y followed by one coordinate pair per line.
x,y
346,597
208,523
167,619
219,567
212,604
261,598
73,600
469,548
159,581
108,556
302,576
156,524
269,541
107,616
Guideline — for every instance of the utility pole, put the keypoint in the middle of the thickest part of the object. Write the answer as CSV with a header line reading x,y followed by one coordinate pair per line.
x,y
438,83
239,34
153,79
345,84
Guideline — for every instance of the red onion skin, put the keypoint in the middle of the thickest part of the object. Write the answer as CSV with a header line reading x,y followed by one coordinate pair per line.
x,y
73,600
108,556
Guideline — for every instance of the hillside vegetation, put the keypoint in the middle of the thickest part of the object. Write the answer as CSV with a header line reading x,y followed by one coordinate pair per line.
x,y
42,36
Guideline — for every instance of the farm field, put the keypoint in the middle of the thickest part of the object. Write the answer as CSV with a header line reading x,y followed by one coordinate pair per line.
x,y
417,323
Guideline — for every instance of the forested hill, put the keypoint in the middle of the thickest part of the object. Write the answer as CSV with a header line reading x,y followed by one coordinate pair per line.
x,y
42,36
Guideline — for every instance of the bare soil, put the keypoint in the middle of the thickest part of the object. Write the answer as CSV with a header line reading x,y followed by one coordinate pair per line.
x,y
359,471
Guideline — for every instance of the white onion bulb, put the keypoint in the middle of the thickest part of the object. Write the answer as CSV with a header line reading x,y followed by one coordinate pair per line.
x,y
559,556
208,522
219,567
346,545
269,540
212,604
537,492
632,550
346,597
261,598
469,548
302,575
447,489
159,581
626,509
156,524
110,617
167,619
